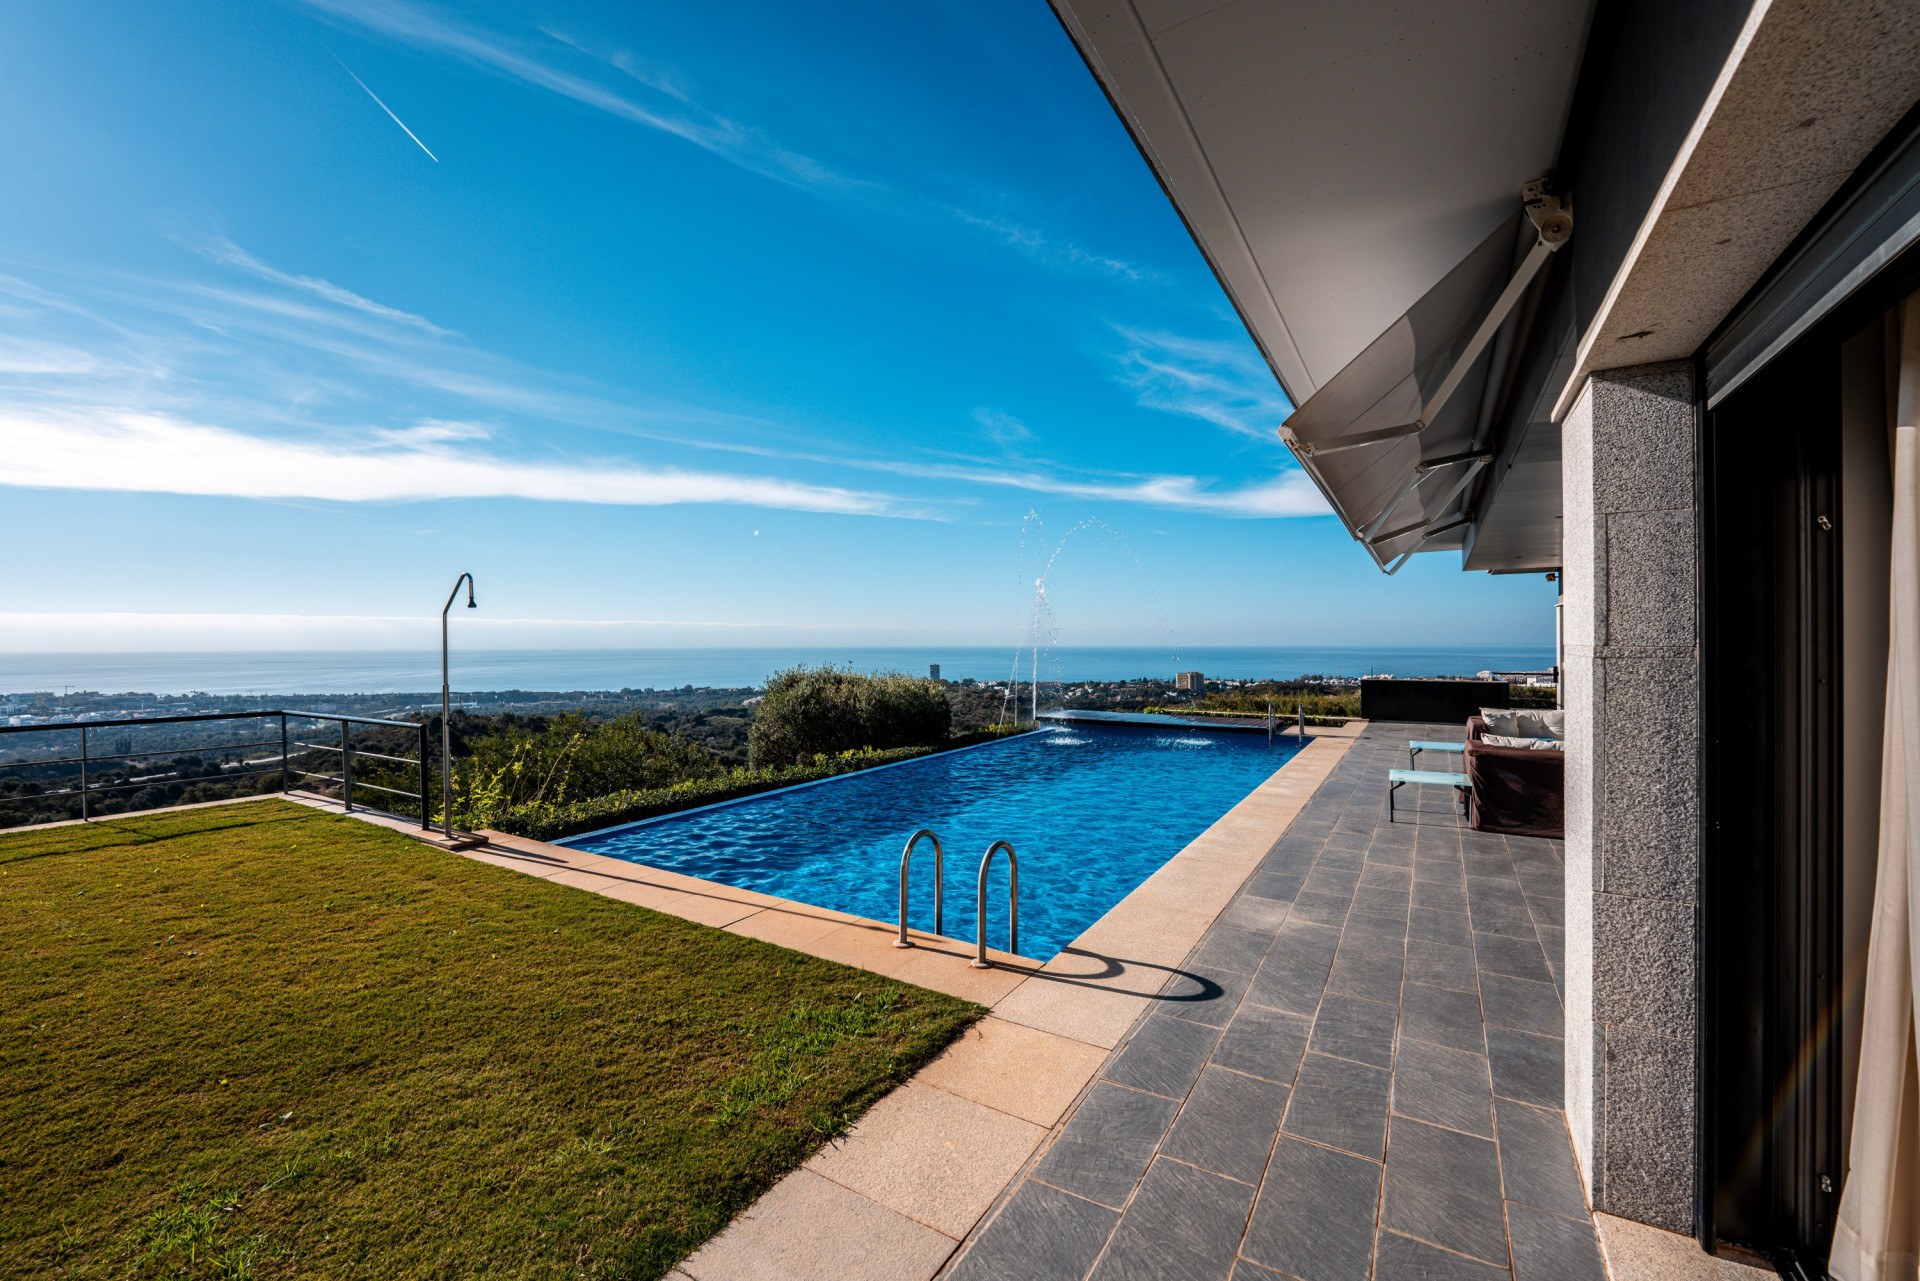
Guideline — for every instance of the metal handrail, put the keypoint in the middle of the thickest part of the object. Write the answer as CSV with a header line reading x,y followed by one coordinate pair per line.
x,y
980,961
939,882
87,761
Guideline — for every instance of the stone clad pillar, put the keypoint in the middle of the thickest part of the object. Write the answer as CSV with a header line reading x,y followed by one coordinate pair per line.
x,y
1632,579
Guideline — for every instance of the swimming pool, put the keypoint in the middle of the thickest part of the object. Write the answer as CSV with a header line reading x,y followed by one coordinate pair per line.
x,y
1092,808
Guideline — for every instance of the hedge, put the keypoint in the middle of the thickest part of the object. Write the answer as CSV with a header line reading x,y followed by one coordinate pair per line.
x,y
549,822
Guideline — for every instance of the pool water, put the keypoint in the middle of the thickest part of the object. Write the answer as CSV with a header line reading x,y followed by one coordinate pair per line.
x,y
1092,810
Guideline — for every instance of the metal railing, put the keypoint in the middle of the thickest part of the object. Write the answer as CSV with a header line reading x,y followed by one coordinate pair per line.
x,y
980,961
939,882
282,762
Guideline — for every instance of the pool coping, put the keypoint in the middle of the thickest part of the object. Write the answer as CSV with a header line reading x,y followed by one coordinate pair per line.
x,y
893,1198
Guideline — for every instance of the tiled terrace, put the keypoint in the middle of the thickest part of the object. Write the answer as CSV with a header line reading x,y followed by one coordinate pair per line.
x,y
1355,1077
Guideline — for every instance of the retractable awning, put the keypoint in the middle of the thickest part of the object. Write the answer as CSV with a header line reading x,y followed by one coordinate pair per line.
x,y
1396,438
1352,173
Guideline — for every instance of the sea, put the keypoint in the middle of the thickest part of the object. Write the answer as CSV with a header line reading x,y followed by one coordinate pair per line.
x,y
566,670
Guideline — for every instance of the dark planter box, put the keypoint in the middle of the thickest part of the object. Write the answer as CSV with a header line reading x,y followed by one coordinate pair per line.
x,y
1443,702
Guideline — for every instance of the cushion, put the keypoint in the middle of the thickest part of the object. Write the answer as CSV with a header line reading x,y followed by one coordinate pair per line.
x,y
1509,740
1544,724
1524,722
1501,720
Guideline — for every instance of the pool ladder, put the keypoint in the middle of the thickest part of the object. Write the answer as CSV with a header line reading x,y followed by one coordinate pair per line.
x,y
980,961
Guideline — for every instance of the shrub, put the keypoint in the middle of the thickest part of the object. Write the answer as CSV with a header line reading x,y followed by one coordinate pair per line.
x,y
572,758
549,820
825,711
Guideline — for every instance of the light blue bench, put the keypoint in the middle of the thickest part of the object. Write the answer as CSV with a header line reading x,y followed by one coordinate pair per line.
x,y
1420,745
1398,778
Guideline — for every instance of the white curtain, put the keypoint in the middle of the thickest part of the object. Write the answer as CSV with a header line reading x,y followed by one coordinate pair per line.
x,y
1877,1237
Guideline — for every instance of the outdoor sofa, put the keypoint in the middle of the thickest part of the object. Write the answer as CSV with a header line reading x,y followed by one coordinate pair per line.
x,y
1519,780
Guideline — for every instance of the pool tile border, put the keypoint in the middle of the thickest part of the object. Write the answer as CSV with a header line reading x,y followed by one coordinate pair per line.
x,y
1017,1072
894,1197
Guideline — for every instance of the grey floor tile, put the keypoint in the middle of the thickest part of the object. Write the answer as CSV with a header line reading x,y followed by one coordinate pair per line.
x,y
1442,1016
1445,1087
1369,974
1527,1067
1522,1003
1228,1124
1202,993
1547,1247
1380,900
1290,982
1306,938
1320,909
1536,1159
1446,896
1288,862
1341,1104
1501,918
1281,886
1331,880
1391,855
1182,1223
1105,1147
1404,1259
1316,1213
1348,840
1163,1056
1376,933
1486,862
1349,1027
1041,1234
1341,860
1432,925
1444,1187
1441,965
1233,948
1519,958
1548,910
1252,912
1439,870
1502,888
1265,1042
1386,875
1385,836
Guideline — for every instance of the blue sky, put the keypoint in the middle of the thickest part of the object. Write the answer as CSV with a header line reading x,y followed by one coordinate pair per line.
x,y
676,324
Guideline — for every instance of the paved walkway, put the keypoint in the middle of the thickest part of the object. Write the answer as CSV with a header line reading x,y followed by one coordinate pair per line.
x,y
1358,1079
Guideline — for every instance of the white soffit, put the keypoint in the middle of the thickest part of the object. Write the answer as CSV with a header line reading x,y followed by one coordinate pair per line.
x,y
1336,160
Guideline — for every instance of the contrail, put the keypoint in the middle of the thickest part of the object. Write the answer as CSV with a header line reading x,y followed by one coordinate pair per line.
x,y
389,110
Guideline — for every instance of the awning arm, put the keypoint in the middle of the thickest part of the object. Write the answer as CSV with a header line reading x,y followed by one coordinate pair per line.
x,y
1476,461
1418,474
1464,518
1555,224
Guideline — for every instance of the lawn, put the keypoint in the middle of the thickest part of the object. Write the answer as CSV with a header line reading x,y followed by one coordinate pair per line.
x,y
261,1041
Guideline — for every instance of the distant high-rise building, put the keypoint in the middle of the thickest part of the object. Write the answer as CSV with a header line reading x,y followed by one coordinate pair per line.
x,y
933,671
1190,680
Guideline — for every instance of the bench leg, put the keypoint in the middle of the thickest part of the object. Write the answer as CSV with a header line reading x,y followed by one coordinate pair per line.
x,y
1391,789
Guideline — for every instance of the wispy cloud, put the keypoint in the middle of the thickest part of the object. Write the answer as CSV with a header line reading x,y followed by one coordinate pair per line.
x,y
1221,382
228,254
155,454
669,112
1291,493
655,99
301,388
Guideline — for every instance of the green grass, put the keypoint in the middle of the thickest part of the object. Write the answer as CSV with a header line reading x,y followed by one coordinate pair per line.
x,y
260,1041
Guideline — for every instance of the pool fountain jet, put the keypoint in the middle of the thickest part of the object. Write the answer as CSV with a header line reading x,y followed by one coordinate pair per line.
x,y
1044,628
